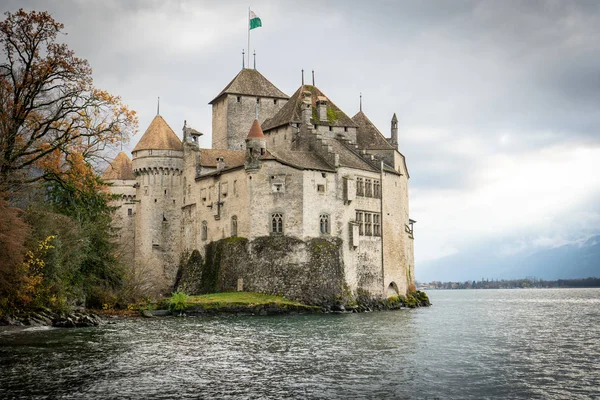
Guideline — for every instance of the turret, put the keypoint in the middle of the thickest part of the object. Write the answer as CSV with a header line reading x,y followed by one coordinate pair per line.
x,y
158,165
256,146
394,141
234,108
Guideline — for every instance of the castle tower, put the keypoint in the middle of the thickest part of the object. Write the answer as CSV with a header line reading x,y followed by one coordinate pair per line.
x,y
234,108
256,146
119,175
158,165
394,141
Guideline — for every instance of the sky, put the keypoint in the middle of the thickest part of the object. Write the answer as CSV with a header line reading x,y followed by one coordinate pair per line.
x,y
498,101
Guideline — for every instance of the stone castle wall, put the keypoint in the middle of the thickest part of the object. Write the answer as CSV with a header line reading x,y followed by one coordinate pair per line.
x,y
233,116
158,215
311,272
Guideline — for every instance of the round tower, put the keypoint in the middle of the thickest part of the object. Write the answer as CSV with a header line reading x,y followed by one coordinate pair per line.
x,y
158,167
256,146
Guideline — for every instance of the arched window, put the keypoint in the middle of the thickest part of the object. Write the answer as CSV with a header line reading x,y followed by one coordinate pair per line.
x,y
324,223
204,230
277,223
234,225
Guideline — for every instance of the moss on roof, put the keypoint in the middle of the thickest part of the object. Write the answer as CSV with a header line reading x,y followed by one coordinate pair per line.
x,y
291,111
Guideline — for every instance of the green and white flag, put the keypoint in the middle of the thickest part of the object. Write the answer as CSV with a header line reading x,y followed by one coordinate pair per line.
x,y
254,21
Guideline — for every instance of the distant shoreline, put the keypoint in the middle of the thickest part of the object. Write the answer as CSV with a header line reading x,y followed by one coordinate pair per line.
x,y
527,283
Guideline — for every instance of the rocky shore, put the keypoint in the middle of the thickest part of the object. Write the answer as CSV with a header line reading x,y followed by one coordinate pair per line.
x,y
73,319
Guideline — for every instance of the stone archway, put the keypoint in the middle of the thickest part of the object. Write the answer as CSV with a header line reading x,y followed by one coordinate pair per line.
x,y
392,290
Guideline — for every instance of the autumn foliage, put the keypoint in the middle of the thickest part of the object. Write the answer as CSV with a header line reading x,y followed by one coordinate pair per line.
x,y
52,118
57,248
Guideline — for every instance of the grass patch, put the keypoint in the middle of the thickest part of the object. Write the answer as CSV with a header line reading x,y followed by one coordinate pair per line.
x,y
239,298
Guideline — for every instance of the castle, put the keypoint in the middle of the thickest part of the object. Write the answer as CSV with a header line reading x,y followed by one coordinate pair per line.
x,y
320,199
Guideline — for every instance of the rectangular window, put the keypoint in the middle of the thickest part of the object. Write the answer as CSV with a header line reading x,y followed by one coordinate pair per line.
x,y
368,226
321,188
359,221
360,187
129,212
376,189
235,188
376,225
368,188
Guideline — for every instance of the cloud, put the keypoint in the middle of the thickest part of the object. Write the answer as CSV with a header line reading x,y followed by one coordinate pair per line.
x,y
497,100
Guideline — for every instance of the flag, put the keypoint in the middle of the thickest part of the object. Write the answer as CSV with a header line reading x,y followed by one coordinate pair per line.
x,y
254,20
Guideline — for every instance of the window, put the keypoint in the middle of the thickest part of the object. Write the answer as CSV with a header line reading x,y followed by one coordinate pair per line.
x,y
368,226
277,223
235,188
368,188
324,223
274,101
204,230
129,212
360,187
239,99
234,225
359,221
321,188
257,100
376,225
376,189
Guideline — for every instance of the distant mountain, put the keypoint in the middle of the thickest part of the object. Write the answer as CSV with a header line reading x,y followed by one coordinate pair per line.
x,y
565,262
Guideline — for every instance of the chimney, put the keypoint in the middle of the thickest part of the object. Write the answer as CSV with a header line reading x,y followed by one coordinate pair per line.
x,y
322,108
306,108
220,164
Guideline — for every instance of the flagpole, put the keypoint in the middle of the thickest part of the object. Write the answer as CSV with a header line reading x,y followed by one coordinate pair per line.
x,y
248,25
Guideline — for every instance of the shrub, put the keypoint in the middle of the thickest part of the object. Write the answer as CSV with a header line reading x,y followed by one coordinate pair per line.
x,y
178,301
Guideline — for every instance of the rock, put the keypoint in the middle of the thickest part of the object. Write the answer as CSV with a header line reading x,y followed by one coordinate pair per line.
x,y
338,308
161,313
147,314
76,320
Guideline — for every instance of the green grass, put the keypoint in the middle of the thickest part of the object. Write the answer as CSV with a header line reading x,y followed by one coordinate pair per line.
x,y
239,298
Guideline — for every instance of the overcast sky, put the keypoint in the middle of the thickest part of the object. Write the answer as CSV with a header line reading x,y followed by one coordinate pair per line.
x,y
498,101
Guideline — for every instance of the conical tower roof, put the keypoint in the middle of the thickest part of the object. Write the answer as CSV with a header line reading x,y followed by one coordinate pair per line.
x,y
158,136
255,131
250,82
394,118
119,169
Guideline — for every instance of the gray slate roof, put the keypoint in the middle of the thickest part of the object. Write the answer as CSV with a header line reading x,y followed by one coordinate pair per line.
x,y
298,159
250,82
291,111
368,136
350,157
232,158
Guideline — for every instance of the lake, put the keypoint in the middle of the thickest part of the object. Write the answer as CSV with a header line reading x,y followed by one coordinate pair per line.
x,y
471,344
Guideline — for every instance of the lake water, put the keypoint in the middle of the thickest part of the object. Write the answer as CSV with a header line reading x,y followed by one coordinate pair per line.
x,y
471,344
